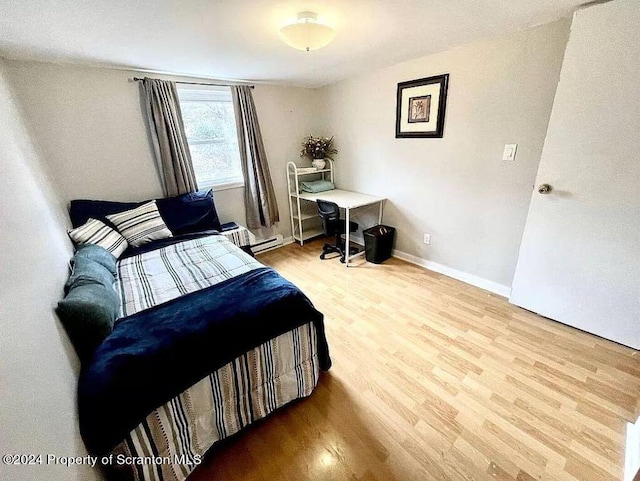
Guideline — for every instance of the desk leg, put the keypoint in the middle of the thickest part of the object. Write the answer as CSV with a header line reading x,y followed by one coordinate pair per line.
x,y
380,213
347,236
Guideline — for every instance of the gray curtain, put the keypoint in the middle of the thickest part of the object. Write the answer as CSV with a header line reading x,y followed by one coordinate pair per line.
x,y
167,135
260,198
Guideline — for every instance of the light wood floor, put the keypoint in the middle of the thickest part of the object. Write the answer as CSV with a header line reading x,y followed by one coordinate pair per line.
x,y
433,379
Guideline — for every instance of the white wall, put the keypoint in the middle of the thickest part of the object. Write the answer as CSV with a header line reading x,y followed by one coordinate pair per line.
x,y
457,188
38,367
90,124
287,115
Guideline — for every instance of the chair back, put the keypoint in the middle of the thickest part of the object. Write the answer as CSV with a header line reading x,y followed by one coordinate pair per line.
x,y
329,212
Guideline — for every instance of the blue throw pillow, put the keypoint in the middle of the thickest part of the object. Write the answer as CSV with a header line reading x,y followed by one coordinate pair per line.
x,y
87,314
91,305
97,254
88,271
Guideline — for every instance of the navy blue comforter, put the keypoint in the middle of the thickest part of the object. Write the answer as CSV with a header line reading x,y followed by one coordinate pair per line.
x,y
157,353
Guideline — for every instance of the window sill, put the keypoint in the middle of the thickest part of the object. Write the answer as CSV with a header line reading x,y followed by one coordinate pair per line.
x,y
218,187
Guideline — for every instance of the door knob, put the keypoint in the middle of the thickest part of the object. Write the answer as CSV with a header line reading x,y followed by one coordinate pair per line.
x,y
544,189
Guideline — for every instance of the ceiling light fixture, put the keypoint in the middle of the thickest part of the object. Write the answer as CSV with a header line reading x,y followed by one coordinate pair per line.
x,y
306,33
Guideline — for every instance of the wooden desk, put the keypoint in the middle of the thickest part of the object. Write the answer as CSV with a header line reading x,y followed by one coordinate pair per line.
x,y
347,200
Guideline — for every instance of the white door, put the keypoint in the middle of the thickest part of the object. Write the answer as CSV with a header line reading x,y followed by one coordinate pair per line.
x,y
580,255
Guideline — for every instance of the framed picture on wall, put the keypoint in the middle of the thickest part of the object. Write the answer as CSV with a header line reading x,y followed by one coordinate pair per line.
x,y
420,107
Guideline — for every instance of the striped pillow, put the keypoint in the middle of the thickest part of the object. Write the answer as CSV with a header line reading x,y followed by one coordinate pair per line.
x,y
141,225
95,232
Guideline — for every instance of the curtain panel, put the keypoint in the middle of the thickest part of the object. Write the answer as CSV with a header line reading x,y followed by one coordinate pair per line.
x,y
168,137
260,199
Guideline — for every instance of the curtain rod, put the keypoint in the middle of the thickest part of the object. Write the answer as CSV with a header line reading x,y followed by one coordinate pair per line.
x,y
138,79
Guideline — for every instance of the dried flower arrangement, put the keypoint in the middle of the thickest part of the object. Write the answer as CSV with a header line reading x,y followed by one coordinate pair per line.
x,y
318,148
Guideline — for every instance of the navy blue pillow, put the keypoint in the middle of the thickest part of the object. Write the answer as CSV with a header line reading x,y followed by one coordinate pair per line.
x,y
82,210
183,214
189,213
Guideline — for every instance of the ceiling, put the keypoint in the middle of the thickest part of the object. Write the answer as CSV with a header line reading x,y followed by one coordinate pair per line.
x,y
237,39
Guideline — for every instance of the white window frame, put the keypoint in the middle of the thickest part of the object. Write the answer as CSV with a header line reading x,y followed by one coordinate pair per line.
x,y
202,93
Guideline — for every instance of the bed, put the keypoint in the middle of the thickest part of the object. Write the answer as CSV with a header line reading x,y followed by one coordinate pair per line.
x,y
208,341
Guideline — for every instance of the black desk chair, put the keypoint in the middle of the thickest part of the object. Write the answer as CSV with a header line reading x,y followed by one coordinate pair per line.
x,y
333,225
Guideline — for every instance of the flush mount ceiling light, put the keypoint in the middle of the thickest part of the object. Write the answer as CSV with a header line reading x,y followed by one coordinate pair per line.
x,y
306,33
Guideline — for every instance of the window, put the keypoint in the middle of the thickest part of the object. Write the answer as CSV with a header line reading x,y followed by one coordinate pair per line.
x,y
210,126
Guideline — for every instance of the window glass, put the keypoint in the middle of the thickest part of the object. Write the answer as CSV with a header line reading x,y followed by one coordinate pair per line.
x,y
209,124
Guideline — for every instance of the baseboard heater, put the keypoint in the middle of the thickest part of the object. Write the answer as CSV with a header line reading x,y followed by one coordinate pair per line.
x,y
267,244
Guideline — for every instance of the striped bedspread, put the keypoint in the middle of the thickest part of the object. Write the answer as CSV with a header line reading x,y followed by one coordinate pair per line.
x,y
172,440
155,277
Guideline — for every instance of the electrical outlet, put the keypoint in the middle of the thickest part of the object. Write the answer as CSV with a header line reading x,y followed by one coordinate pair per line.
x,y
427,238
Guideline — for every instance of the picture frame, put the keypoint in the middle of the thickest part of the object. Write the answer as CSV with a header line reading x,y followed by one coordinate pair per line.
x,y
421,106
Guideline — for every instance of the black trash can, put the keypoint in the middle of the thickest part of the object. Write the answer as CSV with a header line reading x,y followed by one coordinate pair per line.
x,y
378,241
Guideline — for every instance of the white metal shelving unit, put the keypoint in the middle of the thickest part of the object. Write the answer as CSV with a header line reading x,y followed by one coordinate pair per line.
x,y
305,223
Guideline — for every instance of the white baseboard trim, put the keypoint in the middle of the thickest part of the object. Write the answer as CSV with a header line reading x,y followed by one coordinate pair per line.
x,y
490,286
632,452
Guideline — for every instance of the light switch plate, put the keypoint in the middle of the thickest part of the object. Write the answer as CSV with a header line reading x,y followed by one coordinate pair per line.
x,y
510,152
